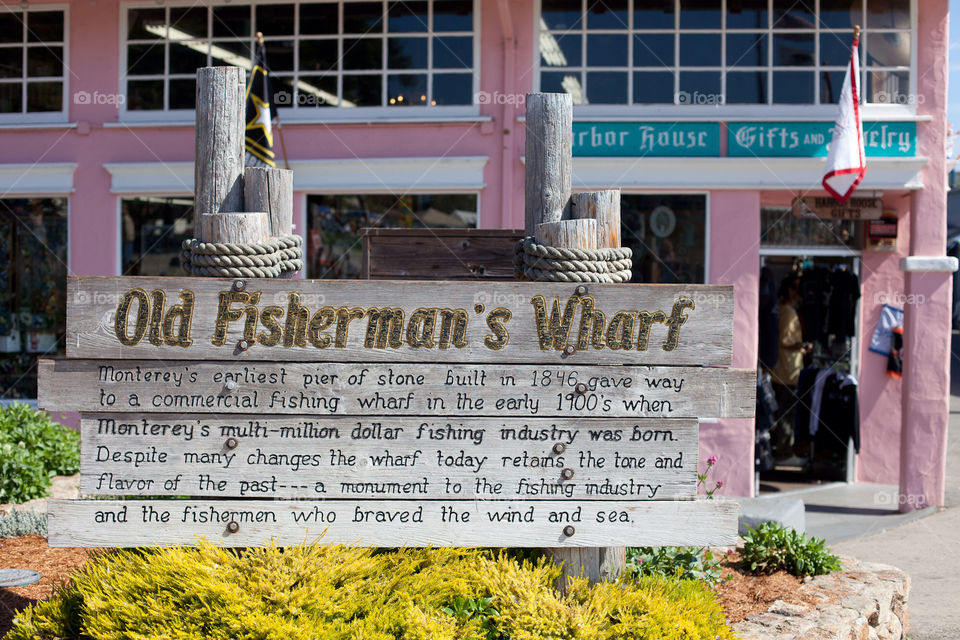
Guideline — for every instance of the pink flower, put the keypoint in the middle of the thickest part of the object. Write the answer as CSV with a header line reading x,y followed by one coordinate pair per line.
x,y
712,460
719,484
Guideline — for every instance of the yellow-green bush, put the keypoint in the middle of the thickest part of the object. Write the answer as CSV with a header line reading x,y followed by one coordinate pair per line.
x,y
339,593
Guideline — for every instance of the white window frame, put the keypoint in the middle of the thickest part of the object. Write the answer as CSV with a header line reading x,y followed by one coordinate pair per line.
x,y
869,111
46,117
306,114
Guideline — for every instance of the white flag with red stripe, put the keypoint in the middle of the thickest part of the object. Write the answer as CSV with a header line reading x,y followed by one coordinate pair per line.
x,y
845,163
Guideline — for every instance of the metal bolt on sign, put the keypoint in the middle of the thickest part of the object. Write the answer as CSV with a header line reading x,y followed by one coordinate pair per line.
x,y
231,443
233,527
567,474
238,285
559,447
569,530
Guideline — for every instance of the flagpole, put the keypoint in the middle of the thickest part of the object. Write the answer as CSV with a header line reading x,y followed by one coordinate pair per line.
x,y
276,115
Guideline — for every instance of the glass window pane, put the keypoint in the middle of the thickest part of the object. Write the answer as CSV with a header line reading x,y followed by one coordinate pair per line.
x,y
746,87
187,57
793,50
144,95
44,61
452,15
888,49
229,52
362,91
407,17
608,14
658,14
699,87
888,87
700,50
746,50
183,93
279,54
407,90
231,22
318,55
11,62
667,235
44,96
153,230
188,22
317,91
146,24
452,88
607,50
562,14
143,59
282,88
700,14
841,14
560,50
888,14
44,26
563,82
793,14
606,87
793,87
452,52
831,82
835,48
362,17
11,26
407,53
653,50
778,227
275,19
319,19
653,88
11,98
363,53
747,14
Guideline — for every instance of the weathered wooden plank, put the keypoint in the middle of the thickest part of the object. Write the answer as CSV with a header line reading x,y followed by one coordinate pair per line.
x,y
396,389
463,458
549,157
468,523
344,321
218,169
439,254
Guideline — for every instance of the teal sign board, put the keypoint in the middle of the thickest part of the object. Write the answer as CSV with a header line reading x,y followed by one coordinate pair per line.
x,y
634,139
810,139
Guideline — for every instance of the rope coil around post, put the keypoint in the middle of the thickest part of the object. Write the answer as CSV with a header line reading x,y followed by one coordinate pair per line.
x,y
268,259
539,262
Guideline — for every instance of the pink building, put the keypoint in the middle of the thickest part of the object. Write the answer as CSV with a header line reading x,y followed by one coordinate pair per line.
x,y
711,115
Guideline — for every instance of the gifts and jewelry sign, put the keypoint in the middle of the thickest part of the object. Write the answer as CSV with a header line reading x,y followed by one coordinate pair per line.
x,y
393,413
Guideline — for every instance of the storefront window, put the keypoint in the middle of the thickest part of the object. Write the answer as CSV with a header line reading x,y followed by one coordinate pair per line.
x,y
153,230
31,61
780,228
713,52
668,236
334,244
33,284
320,54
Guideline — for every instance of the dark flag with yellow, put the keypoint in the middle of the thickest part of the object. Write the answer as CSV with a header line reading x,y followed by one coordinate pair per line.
x,y
259,133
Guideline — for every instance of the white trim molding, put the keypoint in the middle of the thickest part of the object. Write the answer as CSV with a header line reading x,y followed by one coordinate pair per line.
x,y
735,173
50,178
342,175
940,264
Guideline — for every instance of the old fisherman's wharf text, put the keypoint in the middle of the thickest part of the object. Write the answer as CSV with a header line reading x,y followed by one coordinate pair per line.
x,y
142,316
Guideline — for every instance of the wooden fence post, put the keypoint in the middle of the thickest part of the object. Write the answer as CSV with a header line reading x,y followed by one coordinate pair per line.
x,y
585,221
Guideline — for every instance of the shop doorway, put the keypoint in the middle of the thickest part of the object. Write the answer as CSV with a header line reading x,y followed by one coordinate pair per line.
x,y
813,434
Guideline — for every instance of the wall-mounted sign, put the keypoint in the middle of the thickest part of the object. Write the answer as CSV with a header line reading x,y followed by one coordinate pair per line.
x,y
810,139
882,234
633,139
827,208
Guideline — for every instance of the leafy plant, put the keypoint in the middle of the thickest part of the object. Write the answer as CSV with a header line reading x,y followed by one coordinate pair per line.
x,y
685,563
33,449
703,481
772,547
479,609
22,523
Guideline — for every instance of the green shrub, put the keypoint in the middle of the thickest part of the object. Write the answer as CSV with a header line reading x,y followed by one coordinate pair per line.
x,y
33,449
22,523
339,593
686,563
772,547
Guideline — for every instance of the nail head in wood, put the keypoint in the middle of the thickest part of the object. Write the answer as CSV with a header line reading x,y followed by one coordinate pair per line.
x,y
238,285
230,385
569,530
231,443
581,388
569,350
233,527
581,290
567,474
243,345
559,448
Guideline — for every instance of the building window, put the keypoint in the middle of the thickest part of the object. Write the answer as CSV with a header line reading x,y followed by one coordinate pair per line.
x,y
31,61
780,228
33,285
711,52
334,244
153,231
668,236
321,54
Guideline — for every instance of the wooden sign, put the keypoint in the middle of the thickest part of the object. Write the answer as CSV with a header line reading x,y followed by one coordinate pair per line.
x,y
388,523
384,321
826,208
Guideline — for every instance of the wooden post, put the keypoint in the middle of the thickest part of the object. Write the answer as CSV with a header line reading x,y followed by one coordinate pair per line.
x,y
270,190
233,227
549,158
218,168
571,234
604,207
